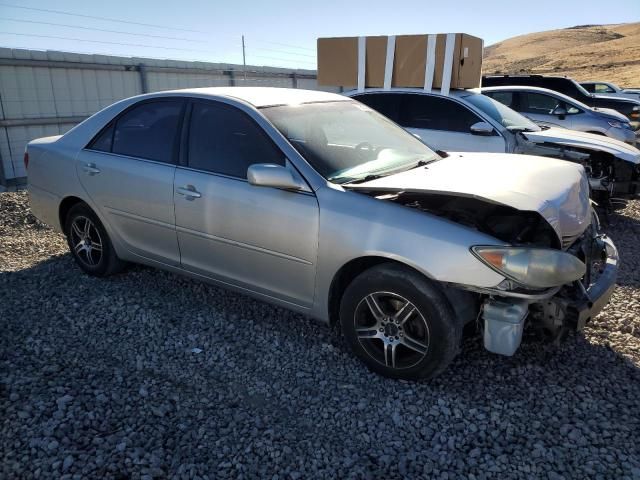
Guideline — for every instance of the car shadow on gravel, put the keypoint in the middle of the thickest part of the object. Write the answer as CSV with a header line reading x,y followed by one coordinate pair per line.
x,y
144,370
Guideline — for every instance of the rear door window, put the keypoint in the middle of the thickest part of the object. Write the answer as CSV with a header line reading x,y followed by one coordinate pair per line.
x,y
436,113
225,140
149,130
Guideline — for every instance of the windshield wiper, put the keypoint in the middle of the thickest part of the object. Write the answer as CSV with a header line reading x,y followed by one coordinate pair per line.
x,y
520,129
368,178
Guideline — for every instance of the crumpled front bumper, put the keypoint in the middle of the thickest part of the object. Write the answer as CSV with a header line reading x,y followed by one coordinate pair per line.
x,y
569,307
598,294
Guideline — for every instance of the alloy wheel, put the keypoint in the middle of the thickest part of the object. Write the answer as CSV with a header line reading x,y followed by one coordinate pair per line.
x,y
86,241
391,330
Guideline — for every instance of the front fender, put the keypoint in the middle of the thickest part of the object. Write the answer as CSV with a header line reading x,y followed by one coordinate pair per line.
x,y
355,225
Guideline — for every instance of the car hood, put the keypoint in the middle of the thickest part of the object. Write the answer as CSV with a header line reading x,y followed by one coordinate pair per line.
x,y
589,141
556,189
610,113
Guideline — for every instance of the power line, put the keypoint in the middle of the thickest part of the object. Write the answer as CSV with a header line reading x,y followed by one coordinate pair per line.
x,y
102,30
103,41
117,20
46,10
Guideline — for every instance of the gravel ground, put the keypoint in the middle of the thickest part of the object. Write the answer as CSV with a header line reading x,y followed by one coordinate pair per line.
x,y
150,375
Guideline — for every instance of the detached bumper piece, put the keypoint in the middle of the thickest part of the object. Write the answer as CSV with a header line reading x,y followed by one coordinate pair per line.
x,y
575,305
594,298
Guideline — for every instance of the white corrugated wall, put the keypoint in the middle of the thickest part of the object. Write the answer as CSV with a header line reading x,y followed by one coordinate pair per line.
x,y
48,97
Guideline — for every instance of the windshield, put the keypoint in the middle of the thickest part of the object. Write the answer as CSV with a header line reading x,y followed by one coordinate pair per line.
x,y
572,101
583,91
508,118
346,141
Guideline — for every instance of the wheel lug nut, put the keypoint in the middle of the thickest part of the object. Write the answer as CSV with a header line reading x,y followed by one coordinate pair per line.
x,y
382,329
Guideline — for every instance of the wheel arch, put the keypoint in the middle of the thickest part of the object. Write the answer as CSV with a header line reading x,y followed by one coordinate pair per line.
x,y
345,275
464,303
66,205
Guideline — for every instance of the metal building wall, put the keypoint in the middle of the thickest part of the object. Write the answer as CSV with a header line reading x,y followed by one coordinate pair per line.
x,y
46,93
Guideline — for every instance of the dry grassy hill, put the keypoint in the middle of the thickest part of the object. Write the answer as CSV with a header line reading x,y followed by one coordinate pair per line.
x,y
589,52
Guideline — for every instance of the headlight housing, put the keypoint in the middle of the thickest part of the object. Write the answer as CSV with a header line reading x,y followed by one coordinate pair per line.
x,y
532,267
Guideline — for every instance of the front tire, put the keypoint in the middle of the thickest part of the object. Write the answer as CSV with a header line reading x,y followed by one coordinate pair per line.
x,y
89,242
399,323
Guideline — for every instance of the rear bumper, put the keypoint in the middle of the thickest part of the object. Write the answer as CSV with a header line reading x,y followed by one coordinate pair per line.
x,y
44,205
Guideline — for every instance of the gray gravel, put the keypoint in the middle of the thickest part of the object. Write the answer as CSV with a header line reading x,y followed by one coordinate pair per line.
x,y
149,375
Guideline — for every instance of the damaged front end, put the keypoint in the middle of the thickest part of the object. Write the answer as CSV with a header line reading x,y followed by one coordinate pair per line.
x,y
551,308
558,268
553,311
610,176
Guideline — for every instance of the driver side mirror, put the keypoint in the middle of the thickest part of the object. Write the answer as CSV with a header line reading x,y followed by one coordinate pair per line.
x,y
270,175
560,112
481,128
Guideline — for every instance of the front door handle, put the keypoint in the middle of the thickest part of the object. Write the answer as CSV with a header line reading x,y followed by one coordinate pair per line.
x,y
189,192
90,169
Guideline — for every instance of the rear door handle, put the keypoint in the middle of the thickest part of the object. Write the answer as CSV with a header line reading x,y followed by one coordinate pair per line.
x,y
90,169
189,192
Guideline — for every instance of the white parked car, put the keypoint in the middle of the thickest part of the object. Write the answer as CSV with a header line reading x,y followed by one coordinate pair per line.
x,y
611,90
468,121
554,109
319,204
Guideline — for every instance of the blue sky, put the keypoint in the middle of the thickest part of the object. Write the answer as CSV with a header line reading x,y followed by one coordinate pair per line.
x,y
277,32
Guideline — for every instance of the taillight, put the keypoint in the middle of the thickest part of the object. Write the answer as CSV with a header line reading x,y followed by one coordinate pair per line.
x,y
26,160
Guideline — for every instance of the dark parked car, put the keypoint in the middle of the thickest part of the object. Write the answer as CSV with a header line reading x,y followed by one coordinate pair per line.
x,y
628,107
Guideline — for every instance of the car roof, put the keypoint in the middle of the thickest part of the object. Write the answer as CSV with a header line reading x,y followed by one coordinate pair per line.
x,y
436,91
524,75
257,96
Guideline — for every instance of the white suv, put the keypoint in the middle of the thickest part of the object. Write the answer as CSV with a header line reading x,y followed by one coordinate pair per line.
x,y
467,121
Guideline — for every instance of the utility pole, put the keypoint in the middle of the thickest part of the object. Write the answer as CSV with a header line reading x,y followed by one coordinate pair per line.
x,y
244,60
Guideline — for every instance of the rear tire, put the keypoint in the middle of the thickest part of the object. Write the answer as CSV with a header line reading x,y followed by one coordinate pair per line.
x,y
89,242
399,323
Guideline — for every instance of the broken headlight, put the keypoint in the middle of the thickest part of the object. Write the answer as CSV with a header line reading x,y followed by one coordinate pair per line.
x,y
532,267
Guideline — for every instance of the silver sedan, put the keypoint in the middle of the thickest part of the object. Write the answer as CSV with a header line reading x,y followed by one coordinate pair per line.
x,y
317,203
555,109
